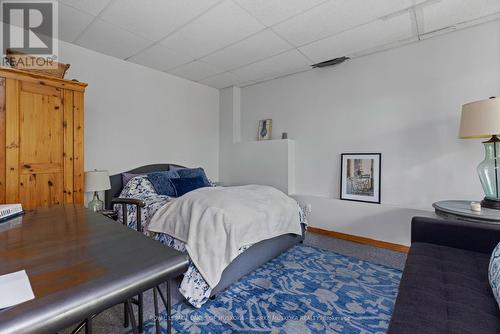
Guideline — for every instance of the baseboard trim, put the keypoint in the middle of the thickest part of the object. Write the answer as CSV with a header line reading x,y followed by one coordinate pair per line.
x,y
360,240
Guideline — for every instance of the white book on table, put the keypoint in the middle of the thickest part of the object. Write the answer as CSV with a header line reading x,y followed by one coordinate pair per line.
x,y
10,210
15,288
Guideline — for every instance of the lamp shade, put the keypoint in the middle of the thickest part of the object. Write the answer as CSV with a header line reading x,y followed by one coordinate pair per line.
x,y
480,119
97,180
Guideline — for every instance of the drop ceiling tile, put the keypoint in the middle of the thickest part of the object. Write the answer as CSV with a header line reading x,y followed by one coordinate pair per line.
x,y
222,80
219,27
160,58
458,26
109,39
72,22
154,19
285,63
257,47
195,71
93,7
368,36
384,47
445,13
336,16
247,83
271,12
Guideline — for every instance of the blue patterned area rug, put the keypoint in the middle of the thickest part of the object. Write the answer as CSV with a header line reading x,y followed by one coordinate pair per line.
x,y
305,290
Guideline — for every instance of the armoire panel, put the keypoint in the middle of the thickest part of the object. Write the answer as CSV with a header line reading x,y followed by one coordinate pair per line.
x,y
12,89
41,145
41,129
68,147
38,190
78,173
2,140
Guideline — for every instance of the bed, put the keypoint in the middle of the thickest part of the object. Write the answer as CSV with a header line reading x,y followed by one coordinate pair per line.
x,y
249,258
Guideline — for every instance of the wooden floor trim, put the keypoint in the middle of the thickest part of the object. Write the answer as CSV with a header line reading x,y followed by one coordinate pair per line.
x,y
360,240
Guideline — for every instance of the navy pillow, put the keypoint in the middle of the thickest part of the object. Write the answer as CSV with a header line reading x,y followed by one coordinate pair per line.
x,y
184,185
194,172
161,182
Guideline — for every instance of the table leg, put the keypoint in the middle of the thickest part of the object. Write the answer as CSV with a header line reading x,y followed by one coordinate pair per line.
x,y
168,305
130,312
157,314
140,308
88,325
125,316
169,309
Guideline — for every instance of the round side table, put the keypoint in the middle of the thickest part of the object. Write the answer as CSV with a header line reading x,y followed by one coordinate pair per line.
x,y
461,210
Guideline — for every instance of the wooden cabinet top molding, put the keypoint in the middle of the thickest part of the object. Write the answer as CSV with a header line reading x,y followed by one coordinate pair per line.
x,y
11,73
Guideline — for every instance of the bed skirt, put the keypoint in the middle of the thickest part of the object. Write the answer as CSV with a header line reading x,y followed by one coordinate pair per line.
x,y
255,256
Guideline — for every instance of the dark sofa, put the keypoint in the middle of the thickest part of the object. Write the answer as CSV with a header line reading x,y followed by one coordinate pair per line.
x,y
445,287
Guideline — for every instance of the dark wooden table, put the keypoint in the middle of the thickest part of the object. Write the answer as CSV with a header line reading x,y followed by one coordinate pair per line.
x,y
79,263
461,210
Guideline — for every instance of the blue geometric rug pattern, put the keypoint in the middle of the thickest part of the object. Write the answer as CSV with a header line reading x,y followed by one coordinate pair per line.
x,y
305,290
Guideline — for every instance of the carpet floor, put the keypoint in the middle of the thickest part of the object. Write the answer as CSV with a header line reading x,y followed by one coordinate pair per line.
x,y
326,285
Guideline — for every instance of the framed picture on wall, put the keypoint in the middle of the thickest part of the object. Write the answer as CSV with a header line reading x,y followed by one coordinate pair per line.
x,y
360,177
265,129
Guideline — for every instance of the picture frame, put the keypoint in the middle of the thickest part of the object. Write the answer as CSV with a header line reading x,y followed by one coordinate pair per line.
x,y
360,177
265,129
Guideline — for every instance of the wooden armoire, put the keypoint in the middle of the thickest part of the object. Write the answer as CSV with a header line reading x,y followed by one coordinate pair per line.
x,y
41,139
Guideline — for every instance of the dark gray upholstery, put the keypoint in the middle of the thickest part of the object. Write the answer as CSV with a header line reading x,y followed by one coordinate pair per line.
x,y
255,256
246,262
445,288
117,185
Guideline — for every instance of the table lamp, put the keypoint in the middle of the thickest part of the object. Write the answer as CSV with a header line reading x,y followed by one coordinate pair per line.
x,y
96,180
481,119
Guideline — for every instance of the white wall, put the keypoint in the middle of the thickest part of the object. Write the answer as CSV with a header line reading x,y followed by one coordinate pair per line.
x,y
269,162
136,116
404,103
262,162
230,129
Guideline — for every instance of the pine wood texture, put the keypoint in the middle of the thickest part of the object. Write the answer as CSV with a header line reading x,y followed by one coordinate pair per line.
x,y
41,79
2,140
68,147
12,141
360,240
43,144
78,147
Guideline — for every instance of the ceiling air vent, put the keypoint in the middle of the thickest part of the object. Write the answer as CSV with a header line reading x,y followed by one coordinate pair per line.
x,y
331,62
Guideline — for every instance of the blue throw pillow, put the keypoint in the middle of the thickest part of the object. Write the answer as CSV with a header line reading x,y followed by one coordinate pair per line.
x,y
161,182
194,172
494,273
184,185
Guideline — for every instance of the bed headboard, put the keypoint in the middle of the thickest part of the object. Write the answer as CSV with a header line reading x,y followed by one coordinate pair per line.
x,y
117,185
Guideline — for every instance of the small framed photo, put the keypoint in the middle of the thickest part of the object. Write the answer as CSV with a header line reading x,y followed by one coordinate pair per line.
x,y
265,129
360,177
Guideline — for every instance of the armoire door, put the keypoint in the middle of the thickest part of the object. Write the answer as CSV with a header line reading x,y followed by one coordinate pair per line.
x,y
38,116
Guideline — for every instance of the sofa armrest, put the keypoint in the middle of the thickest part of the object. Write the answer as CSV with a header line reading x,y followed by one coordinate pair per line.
x,y
472,236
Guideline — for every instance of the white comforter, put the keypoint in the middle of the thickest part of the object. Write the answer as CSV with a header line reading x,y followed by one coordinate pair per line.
x,y
216,222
